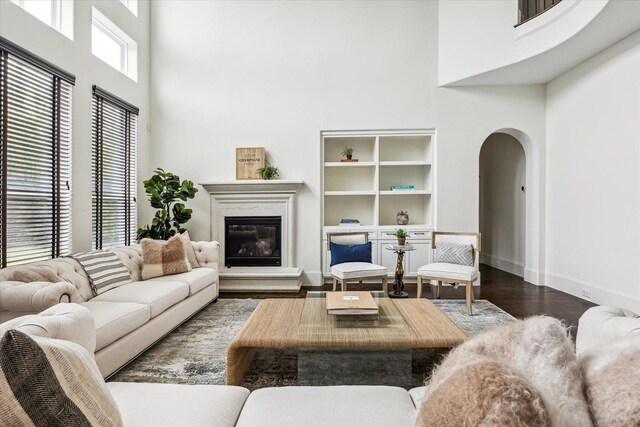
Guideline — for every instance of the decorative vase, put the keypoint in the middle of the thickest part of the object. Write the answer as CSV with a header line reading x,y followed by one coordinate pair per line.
x,y
402,219
402,241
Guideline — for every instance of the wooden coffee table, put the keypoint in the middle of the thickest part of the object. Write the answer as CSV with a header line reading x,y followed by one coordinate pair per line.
x,y
287,323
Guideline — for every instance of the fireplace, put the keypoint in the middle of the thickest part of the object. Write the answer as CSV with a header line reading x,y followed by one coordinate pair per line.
x,y
253,241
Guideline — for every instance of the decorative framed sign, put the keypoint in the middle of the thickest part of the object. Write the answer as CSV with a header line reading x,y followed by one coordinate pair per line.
x,y
248,161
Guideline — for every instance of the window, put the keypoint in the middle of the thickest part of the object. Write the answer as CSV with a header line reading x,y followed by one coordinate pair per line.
x,y
58,14
113,46
35,157
113,170
132,5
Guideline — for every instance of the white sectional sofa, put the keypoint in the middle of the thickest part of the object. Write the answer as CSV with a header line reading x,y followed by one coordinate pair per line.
x,y
129,318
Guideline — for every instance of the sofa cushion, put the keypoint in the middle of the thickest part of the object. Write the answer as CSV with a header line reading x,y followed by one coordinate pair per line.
x,y
451,253
147,404
158,295
612,381
449,271
160,258
539,350
417,394
483,393
197,279
348,406
116,319
49,382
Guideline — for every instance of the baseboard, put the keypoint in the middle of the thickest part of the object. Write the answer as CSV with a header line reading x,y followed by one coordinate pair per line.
x,y
598,295
534,277
503,264
312,278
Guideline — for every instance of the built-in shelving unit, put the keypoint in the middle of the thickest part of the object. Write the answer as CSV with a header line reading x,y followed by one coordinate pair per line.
x,y
362,190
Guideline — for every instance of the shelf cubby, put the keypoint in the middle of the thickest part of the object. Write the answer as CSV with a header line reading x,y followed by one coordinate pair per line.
x,y
361,207
363,148
349,179
405,148
418,206
419,176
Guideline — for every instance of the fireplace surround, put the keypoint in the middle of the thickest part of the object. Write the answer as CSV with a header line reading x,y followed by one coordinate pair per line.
x,y
253,199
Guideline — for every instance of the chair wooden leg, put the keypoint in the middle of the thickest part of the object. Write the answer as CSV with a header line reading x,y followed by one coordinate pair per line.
x,y
335,284
385,284
419,292
439,289
473,297
469,286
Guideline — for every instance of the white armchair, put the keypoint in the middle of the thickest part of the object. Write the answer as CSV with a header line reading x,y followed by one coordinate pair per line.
x,y
448,272
354,271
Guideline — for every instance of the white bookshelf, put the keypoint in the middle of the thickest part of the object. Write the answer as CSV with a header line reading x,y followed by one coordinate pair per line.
x,y
361,189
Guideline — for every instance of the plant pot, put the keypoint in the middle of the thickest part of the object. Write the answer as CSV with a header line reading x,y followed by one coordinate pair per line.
x,y
402,219
402,241
349,156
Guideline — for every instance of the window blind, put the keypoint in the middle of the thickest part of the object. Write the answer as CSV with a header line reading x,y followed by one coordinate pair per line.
x,y
35,157
113,170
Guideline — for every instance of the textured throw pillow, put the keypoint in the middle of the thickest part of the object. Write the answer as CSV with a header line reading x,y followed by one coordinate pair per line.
x,y
105,270
538,350
188,247
452,253
612,382
48,382
28,274
345,253
483,393
160,258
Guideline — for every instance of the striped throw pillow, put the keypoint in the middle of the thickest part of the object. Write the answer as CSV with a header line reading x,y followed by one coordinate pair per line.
x,y
49,382
451,253
105,270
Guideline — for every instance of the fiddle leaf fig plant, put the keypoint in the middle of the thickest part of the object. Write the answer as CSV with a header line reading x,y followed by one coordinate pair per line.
x,y
166,194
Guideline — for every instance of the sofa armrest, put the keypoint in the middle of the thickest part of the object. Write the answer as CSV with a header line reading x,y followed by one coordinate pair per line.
x,y
70,322
601,326
207,253
36,296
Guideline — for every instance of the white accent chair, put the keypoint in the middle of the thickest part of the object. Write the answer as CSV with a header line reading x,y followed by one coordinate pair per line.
x,y
354,271
452,273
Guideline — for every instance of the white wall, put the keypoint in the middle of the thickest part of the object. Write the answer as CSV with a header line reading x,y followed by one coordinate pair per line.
x,y
502,203
75,57
275,74
593,196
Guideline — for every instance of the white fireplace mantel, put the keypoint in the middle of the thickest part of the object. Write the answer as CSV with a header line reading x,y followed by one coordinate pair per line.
x,y
257,198
254,186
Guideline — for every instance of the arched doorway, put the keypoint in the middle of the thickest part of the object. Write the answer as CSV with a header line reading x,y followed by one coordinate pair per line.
x,y
503,204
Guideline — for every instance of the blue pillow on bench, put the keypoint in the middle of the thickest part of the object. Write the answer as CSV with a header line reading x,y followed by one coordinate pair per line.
x,y
345,253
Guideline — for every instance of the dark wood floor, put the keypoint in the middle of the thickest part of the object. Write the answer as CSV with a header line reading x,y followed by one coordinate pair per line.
x,y
509,292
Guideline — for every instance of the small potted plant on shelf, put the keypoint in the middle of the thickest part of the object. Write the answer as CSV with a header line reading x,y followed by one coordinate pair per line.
x,y
268,172
347,152
401,234
402,217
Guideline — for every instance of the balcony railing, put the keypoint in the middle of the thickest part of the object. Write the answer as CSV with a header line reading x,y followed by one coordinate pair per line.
x,y
529,9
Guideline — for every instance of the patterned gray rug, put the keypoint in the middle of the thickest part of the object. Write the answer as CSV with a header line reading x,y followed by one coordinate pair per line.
x,y
195,353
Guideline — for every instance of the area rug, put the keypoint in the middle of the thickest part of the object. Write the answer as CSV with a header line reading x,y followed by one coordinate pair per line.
x,y
195,353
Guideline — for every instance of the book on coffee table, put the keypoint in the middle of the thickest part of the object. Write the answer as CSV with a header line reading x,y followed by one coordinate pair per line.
x,y
351,303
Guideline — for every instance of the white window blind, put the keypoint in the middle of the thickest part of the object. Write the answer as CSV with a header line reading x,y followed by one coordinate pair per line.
x,y
35,157
114,170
